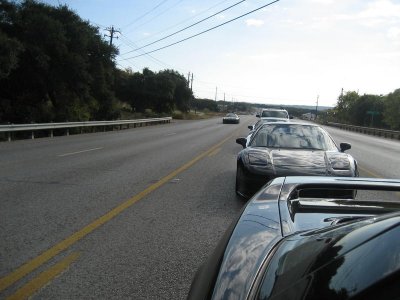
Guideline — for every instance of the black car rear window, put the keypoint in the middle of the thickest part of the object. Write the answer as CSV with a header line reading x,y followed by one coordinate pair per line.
x,y
275,114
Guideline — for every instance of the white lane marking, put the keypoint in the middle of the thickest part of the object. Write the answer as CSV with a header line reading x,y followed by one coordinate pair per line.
x,y
72,153
169,134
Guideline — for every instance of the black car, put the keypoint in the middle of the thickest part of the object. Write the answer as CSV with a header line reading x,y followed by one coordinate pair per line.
x,y
231,118
273,113
289,149
296,240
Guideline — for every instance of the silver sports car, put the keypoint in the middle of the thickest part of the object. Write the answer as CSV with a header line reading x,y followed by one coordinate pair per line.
x,y
289,149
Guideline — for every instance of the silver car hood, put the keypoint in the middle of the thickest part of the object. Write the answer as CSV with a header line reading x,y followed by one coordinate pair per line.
x,y
299,162
283,162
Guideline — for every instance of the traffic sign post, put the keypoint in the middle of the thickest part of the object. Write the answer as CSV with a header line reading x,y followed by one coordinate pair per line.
x,y
372,113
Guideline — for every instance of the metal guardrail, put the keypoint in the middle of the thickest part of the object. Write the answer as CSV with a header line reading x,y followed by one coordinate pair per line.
x,y
10,128
391,134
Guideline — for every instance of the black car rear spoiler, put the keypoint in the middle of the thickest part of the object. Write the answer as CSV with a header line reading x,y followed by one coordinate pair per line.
x,y
337,195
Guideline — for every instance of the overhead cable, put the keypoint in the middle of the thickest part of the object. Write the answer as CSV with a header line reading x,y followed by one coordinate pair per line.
x,y
131,44
145,14
159,14
200,33
187,27
183,21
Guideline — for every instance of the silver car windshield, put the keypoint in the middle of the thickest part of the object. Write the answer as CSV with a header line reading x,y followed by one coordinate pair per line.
x,y
293,136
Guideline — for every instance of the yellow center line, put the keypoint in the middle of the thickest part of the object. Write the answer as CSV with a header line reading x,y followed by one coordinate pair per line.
x,y
369,172
28,267
43,278
214,152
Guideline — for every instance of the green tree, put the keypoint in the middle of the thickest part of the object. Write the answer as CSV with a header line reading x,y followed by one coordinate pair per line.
x,y
61,70
163,96
162,92
366,111
181,92
391,113
201,104
345,105
9,51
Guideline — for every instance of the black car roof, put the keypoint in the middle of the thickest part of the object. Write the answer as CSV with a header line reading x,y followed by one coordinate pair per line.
x,y
269,217
335,264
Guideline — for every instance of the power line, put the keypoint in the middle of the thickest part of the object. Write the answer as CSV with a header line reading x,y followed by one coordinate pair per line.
x,y
181,22
124,68
130,43
97,24
187,27
156,16
145,14
212,28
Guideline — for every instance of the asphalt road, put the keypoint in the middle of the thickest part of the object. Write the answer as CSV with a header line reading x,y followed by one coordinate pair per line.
x,y
128,214
376,157
52,188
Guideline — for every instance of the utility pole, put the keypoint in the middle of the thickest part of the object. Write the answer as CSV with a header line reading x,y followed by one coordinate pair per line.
x,y
224,103
188,80
112,32
316,108
191,84
216,93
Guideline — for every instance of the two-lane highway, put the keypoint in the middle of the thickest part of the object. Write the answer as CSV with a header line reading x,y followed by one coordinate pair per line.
x,y
377,157
128,214
79,196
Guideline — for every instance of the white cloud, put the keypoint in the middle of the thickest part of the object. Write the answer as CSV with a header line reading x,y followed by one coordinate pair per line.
x,y
323,1
378,12
292,22
371,14
254,22
381,9
394,35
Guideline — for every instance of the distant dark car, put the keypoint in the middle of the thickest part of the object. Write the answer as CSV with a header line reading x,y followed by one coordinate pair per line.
x,y
231,119
289,149
296,240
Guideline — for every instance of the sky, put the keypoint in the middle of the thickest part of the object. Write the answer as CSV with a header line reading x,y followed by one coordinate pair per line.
x,y
291,52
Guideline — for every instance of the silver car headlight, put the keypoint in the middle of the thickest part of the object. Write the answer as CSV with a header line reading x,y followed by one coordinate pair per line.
x,y
339,163
258,159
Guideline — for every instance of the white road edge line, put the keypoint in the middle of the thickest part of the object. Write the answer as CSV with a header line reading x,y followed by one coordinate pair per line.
x,y
72,153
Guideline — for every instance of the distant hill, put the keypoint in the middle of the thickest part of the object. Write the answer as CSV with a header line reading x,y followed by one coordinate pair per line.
x,y
295,110
309,107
